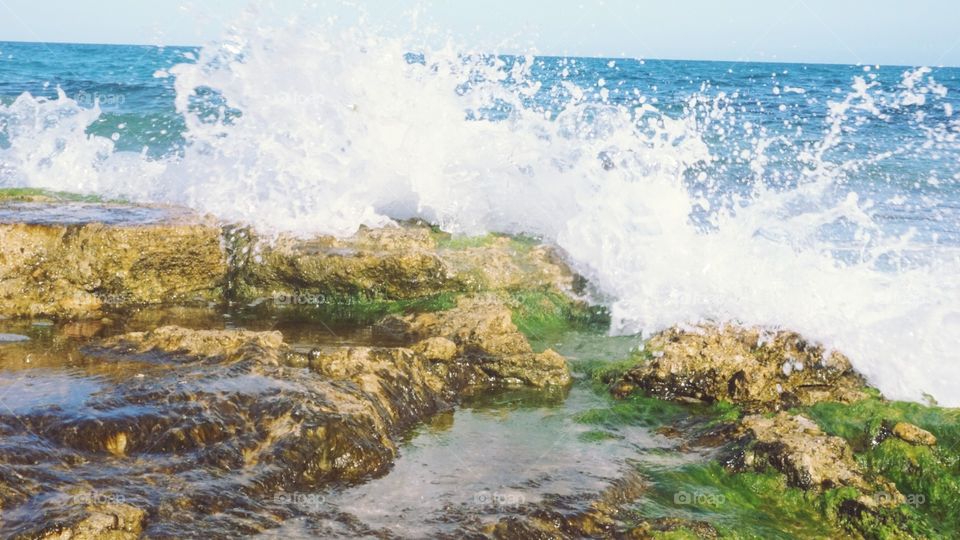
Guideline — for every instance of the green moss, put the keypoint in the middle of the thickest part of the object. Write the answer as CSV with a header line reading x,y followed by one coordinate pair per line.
x,y
455,242
746,505
676,534
928,477
861,422
605,372
518,243
355,310
636,410
544,315
36,194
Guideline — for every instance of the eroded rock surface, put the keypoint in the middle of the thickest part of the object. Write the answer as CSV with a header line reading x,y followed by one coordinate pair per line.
x,y
482,330
78,270
795,446
393,263
756,369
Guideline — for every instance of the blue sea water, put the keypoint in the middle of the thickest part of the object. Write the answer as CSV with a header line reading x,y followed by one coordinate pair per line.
x,y
823,198
789,102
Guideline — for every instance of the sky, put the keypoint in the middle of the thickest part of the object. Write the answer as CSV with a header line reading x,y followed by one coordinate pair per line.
x,y
911,32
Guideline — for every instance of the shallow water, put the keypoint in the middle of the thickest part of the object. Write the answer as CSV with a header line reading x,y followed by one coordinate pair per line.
x,y
80,213
498,455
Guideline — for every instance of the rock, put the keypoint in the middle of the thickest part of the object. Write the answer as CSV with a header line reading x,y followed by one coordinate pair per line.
x,y
387,263
390,263
502,263
758,370
70,271
913,434
439,349
482,329
332,415
535,369
810,459
103,522
193,343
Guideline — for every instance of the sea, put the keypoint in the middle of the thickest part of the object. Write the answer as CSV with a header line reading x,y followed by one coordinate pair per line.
x,y
823,199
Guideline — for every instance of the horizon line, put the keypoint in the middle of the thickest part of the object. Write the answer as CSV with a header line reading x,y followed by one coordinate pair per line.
x,y
599,57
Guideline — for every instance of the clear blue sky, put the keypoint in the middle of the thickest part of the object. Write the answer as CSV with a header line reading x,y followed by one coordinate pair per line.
x,y
840,31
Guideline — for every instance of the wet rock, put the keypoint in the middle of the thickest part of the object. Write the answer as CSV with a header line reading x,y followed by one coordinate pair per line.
x,y
193,343
505,263
759,370
69,271
439,349
13,338
482,329
390,263
810,459
913,434
103,522
247,400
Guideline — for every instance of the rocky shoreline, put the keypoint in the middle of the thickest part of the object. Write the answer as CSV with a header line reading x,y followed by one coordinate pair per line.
x,y
218,420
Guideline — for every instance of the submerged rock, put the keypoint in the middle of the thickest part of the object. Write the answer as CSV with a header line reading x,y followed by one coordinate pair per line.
x,y
246,412
77,270
100,522
759,370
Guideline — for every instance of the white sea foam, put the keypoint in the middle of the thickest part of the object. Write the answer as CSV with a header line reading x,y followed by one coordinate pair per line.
x,y
336,130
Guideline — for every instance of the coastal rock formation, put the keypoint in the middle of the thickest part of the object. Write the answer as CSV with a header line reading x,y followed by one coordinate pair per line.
x,y
101,522
482,330
391,262
757,369
795,446
78,270
71,259
408,261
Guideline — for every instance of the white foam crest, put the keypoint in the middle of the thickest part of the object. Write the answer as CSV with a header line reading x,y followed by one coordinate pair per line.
x,y
321,129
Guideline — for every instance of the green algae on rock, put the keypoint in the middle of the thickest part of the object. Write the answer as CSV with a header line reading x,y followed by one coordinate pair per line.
x,y
753,368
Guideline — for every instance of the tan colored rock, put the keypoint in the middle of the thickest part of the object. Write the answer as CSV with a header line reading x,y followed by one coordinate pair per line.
x,y
104,522
77,270
810,459
388,263
482,328
197,343
751,367
535,369
505,263
913,434
439,349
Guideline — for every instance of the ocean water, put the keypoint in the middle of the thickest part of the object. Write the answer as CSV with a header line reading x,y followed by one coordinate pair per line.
x,y
819,198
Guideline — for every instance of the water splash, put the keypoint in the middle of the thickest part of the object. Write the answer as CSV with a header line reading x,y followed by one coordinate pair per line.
x,y
697,209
